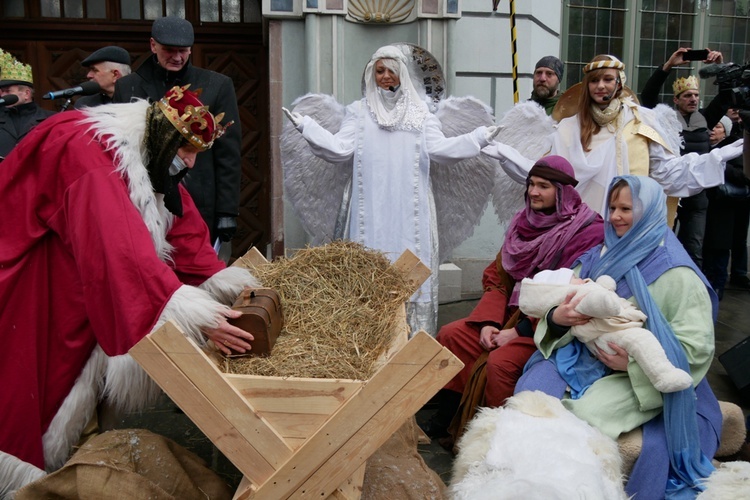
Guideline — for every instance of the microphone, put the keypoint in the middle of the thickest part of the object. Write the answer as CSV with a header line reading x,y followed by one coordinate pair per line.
x,y
608,97
8,100
710,70
392,88
86,88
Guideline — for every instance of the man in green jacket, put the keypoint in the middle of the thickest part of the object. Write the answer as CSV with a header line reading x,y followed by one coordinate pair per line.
x,y
548,74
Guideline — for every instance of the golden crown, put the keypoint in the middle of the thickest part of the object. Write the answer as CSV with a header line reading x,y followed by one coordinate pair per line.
x,y
686,83
191,117
12,70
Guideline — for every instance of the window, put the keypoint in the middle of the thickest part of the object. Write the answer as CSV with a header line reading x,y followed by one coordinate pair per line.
x,y
594,27
664,27
77,9
729,32
644,33
212,11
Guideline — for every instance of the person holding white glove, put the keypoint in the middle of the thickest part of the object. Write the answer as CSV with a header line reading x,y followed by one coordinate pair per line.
x,y
295,118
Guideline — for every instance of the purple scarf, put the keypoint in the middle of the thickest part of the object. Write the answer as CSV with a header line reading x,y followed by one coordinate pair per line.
x,y
536,241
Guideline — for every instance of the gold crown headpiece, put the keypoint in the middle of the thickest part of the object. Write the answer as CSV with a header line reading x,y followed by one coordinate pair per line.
x,y
685,83
191,117
14,72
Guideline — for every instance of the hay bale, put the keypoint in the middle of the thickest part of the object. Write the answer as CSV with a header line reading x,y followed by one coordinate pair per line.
x,y
339,303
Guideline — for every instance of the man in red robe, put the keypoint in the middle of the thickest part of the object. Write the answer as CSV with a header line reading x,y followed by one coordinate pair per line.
x,y
100,245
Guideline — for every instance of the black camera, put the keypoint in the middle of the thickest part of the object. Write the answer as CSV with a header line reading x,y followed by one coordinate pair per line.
x,y
733,81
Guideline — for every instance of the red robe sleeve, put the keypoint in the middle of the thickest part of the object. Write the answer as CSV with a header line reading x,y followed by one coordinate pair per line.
x,y
492,307
124,284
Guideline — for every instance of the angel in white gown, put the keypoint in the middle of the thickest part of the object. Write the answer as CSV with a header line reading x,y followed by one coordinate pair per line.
x,y
396,165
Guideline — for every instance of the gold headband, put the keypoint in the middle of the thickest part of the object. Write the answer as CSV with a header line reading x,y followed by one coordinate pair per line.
x,y
613,63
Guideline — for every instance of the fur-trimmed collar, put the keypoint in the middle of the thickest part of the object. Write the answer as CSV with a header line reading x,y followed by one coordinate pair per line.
x,y
121,128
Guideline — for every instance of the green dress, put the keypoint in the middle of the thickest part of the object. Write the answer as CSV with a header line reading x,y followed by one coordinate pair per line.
x,y
622,401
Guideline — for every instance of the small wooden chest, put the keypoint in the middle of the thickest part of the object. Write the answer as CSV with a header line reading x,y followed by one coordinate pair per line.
x,y
261,316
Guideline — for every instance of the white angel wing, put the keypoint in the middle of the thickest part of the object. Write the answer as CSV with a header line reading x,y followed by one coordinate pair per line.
x,y
666,116
528,129
461,190
313,186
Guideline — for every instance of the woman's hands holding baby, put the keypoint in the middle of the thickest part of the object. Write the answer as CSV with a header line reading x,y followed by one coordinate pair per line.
x,y
566,315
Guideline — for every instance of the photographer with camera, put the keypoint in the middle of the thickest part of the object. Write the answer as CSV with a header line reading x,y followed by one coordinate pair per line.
x,y
696,127
733,81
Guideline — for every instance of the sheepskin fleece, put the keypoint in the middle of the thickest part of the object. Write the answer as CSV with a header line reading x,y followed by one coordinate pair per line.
x,y
533,448
731,481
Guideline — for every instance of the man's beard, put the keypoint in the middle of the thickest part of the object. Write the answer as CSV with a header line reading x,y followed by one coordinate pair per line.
x,y
542,92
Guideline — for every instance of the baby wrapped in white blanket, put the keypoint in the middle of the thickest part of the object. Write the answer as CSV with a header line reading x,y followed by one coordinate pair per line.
x,y
613,319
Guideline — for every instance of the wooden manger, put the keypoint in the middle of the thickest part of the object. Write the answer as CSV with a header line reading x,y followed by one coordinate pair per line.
x,y
300,437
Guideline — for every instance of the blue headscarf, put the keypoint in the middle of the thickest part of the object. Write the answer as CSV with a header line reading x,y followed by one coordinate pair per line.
x,y
635,260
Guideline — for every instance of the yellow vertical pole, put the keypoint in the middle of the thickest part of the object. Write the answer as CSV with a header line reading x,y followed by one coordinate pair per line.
x,y
514,51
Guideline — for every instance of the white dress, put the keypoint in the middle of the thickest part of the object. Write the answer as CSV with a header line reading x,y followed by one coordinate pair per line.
x,y
391,207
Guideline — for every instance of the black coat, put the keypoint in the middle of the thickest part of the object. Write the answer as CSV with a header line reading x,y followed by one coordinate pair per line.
x,y
214,182
726,215
89,101
18,121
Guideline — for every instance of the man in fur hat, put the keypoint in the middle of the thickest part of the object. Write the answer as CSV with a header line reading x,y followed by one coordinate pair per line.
x,y
100,245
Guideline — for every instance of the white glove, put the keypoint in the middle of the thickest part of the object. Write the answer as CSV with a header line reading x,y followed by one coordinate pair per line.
x,y
295,118
491,133
730,151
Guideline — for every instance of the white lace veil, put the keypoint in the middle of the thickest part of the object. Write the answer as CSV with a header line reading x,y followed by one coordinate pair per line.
x,y
410,109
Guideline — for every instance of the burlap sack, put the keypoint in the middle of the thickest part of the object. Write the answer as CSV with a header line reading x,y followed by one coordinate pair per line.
x,y
129,464
397,470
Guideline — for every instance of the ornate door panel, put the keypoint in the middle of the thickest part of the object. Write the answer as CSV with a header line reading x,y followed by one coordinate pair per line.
x,y
248,69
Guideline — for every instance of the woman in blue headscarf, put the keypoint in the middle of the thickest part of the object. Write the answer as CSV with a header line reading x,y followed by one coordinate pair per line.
x,y
681,430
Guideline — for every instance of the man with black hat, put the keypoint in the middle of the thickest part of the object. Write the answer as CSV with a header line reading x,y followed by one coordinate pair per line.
x,y
215,182
106,66
18,118
548,74
100,245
